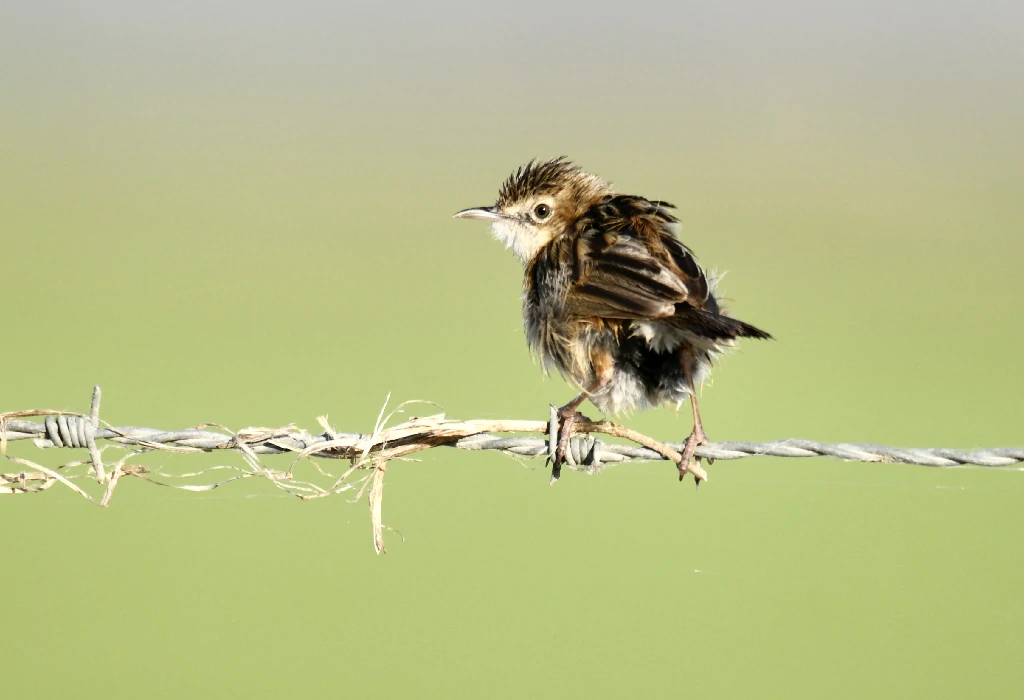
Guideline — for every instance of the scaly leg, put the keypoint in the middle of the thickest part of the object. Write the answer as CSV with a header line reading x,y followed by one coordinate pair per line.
x,y
697,436
568,415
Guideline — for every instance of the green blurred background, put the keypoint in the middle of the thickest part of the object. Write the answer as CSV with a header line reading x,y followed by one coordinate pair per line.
x,y
240,213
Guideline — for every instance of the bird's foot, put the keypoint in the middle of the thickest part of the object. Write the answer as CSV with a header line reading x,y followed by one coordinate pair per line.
x,y
690,463
566,417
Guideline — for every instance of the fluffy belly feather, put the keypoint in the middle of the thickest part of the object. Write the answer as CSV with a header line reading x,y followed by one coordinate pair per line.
x,y
647,359
649,368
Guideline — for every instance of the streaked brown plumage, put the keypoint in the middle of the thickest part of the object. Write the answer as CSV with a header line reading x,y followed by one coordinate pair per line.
x,y
611,298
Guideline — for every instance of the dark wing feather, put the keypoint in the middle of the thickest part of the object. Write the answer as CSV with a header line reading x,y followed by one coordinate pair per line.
x,y
628,265
624,280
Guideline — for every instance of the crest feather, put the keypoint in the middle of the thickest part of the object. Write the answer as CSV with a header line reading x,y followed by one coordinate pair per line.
x,y
538,178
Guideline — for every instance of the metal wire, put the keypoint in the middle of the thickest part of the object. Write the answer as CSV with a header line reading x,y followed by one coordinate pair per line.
x,y
369,455
79,432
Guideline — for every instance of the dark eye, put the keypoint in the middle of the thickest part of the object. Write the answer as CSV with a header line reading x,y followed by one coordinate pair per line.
x,y
541,211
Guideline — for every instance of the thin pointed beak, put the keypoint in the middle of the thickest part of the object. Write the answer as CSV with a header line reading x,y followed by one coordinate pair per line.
x,y
482,213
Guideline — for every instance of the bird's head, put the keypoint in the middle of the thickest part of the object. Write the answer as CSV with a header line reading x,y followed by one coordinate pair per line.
x,y
539,202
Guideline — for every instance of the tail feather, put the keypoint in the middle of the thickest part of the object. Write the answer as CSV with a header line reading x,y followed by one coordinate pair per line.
x,y
714,326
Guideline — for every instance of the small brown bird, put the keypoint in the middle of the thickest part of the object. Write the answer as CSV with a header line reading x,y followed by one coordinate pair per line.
x,y
611,297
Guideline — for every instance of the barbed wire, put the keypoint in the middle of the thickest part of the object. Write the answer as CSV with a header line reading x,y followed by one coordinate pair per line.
x,y
69,430
372,451
60,430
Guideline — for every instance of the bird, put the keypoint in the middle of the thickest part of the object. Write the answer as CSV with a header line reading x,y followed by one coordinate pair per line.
x,y
612,298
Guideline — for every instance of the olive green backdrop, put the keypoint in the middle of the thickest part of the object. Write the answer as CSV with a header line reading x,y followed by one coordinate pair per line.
x,y
241,214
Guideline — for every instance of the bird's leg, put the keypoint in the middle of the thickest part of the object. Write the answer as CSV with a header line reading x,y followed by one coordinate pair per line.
x,y
568,414
567,417
697,436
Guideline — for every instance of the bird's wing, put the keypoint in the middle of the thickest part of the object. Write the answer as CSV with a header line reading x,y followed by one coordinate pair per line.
x,y
633,274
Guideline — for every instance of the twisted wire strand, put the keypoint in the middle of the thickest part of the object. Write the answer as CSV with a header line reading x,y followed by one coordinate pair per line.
x,y
68,430
65,429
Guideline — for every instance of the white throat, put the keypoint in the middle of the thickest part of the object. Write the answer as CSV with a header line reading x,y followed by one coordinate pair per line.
x,y
523,241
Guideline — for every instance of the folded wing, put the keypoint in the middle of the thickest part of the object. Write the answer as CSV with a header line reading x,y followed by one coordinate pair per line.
x,y
627,276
